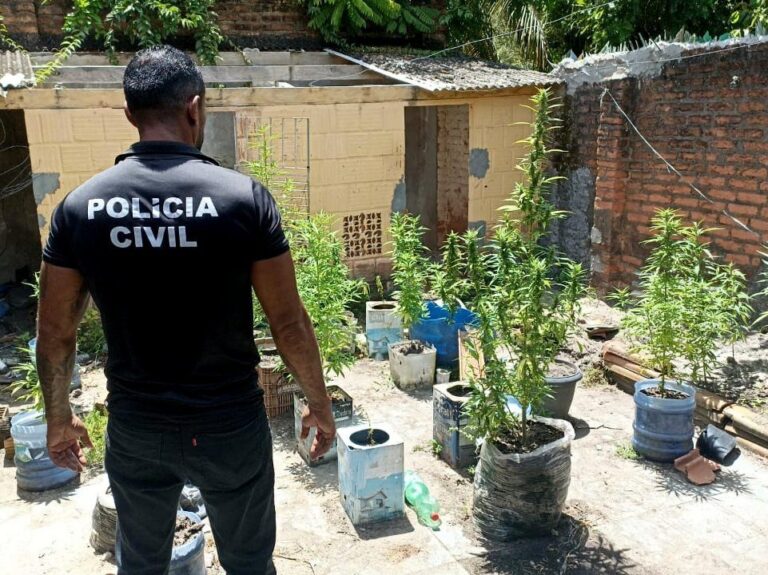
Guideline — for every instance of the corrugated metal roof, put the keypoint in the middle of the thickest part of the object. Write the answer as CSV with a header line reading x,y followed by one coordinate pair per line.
x,y
15,70
452,74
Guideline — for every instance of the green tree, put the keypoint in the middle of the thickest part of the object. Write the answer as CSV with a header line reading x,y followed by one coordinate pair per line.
x,y
142,24
340,20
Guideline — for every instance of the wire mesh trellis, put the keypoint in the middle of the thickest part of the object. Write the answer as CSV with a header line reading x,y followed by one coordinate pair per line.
x,y
279,147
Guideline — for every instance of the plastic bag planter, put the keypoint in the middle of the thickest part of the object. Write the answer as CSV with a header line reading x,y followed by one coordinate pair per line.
x,y
342,407
34,469
448,421
562,389
371,473
442,330
382,327
412,364
663,428
186,559
523,494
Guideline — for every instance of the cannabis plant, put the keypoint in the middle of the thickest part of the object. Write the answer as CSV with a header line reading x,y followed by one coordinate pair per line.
x,y
27,387
410,266
326,288
448,276
526,296
687,302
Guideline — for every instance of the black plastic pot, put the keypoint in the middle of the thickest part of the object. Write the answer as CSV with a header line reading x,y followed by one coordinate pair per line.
x,y
562,390
523,494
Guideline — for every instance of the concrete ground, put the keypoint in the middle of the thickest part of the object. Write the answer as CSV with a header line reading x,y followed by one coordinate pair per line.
x,y
623,516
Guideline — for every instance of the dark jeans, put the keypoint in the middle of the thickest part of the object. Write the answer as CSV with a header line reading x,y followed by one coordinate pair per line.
x,y
229,460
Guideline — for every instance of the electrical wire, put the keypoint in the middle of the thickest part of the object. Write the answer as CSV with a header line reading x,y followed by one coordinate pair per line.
x,y
672,168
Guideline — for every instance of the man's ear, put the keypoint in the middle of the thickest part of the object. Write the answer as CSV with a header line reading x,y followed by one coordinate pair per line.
x,y
194,111
128,115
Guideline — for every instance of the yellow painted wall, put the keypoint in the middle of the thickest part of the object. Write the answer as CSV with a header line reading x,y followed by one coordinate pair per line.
x,y
357,151
74,145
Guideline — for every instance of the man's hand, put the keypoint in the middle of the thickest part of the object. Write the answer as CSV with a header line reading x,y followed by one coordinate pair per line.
x,y
64,439
322,420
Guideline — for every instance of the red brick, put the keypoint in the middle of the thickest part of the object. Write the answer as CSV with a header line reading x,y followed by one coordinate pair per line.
x,y
755,199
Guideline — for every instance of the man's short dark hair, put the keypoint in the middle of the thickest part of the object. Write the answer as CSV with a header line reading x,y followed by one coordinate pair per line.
x,y
161,78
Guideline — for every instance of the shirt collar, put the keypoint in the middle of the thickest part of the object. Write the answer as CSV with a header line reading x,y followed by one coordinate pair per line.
x,y
154,148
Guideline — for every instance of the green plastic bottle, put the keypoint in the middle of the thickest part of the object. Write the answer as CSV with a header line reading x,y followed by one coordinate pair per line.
x,y
417,496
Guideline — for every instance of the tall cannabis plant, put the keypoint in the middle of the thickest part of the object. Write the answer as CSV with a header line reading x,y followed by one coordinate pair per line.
x,y
410,266
326,288
687,302
528,294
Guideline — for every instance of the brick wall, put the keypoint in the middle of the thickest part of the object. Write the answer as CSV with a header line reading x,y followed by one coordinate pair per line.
x,y
267,24
706,115
452,170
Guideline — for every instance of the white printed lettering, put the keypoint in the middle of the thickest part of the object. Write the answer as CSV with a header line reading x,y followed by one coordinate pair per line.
x,y
155,207
136,212
183,242
120,203
171,237
117,242
206,208
172,213
137,237
190,208
94,205
156,241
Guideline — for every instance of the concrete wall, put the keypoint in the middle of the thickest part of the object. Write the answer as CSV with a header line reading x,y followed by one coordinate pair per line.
x,y
707,114
356,162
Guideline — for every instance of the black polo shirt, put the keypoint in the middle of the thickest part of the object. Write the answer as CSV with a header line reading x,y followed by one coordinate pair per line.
x,y
165,240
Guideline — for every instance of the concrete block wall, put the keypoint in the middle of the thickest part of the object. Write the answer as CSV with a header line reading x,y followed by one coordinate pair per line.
x,y
356,161
67,147
494,151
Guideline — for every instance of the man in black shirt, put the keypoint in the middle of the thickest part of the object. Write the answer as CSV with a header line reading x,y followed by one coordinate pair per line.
x,y
169,245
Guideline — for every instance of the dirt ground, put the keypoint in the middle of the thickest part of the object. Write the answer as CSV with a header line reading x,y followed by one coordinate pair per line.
x,y
623,516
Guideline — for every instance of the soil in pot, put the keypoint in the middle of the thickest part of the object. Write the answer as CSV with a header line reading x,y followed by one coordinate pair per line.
x,y
558,369
369,437
384,306
668,393
538,434
411,348
460,390
336,395
186,529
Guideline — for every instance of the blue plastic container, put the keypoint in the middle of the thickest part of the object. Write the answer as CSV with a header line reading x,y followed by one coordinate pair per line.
x,y
187,559
442,330
663,428
34,469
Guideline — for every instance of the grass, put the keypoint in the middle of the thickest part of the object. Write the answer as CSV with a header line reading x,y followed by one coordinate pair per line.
x,y
626,451
594,376
96,423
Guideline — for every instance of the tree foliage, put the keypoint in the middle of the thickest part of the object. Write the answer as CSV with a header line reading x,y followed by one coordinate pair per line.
x,y
339,20
143,24
410,266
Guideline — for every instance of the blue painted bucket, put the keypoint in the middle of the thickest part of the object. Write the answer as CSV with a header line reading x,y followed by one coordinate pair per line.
x,y
663,428
441,329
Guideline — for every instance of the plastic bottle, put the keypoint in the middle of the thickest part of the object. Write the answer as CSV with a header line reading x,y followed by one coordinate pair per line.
x,y
417,496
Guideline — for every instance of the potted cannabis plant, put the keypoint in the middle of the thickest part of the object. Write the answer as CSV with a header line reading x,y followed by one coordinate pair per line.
x,y
686,303
446,316
526,301
411,362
